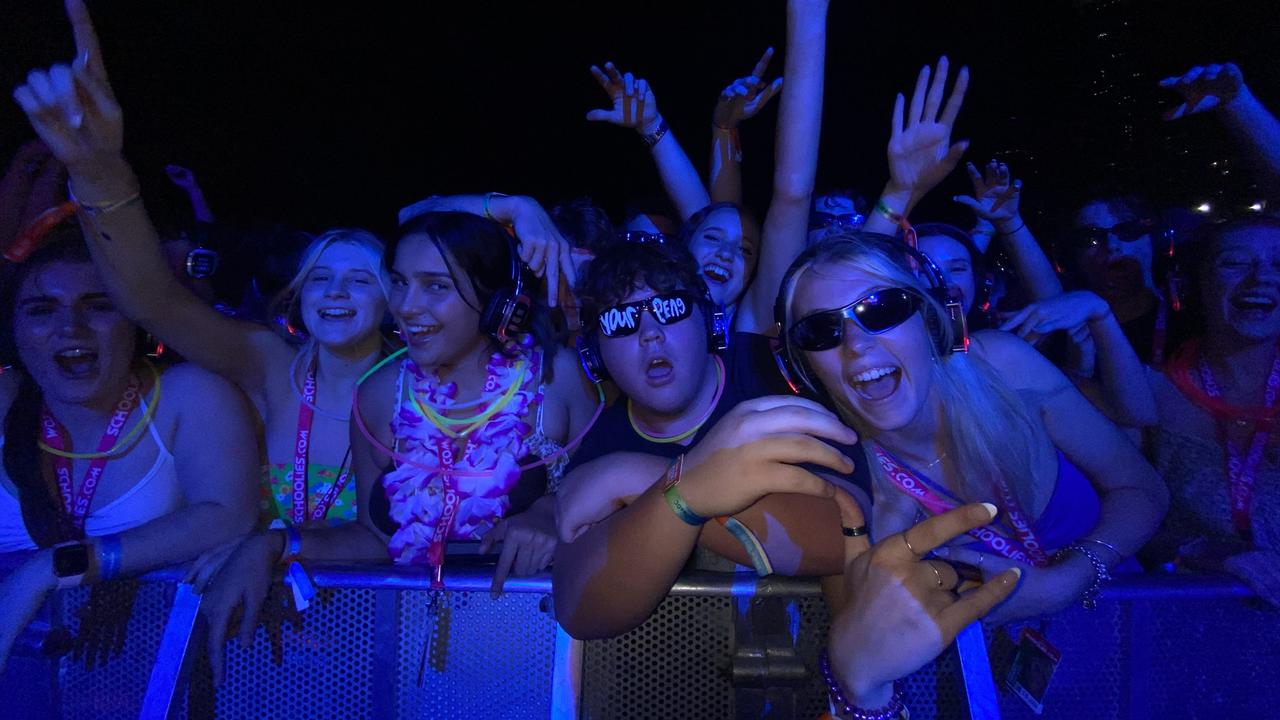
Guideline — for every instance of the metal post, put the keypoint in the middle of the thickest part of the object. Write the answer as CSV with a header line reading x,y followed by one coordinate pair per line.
x,y
975,667
167,673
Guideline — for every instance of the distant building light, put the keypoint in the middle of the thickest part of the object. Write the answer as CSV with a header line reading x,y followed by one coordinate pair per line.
x,y
1204,208
1256,207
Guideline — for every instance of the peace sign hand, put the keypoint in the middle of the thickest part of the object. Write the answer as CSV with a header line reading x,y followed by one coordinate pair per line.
x,y
901,612
746,96
634,105
72,108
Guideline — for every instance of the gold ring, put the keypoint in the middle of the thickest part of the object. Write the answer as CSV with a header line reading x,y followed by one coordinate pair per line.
x,y
908,542
935,570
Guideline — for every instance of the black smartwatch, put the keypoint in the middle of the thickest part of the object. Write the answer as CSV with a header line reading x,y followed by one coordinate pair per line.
x,y
70,563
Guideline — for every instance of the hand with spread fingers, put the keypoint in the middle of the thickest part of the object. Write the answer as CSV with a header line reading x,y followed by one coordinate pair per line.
x,y
1072,311
921,153
634,105
528,543
900,611
1205,88
996,196
746,96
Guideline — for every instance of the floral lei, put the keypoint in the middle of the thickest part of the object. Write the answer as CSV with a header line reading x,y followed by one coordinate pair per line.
x,y
485,464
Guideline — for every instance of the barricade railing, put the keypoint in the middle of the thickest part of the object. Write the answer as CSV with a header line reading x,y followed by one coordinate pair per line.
x,y
378,643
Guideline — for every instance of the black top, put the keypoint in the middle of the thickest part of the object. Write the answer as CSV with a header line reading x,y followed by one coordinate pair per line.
x,y
750,372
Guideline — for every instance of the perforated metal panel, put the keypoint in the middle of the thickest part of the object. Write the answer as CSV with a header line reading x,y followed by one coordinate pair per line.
x,y
674,665
488,658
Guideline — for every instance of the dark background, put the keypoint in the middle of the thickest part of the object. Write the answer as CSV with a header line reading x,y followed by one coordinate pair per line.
x,y
317,116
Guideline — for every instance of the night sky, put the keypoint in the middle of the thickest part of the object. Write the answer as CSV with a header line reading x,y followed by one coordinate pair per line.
x,y
317,116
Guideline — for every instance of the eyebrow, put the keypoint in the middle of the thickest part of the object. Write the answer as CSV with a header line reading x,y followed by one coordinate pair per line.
x,y
35,299
430,274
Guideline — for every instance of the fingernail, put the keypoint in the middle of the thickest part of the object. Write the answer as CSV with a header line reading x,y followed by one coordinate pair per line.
x,y
1017,573
991,509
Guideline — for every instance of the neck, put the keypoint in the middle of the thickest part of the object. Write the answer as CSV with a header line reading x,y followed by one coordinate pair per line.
x,y
921,441
344,365
469,370
92,410
673,423
1238,365
1130,304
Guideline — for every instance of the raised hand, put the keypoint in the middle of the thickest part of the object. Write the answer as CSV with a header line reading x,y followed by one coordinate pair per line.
x,y
72,108
1071,311
634,105
921,153
182,177
746,96
541,245
900,611
996,196
1204,88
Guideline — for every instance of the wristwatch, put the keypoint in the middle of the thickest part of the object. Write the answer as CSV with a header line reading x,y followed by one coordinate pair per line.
x,y
70,563
651,139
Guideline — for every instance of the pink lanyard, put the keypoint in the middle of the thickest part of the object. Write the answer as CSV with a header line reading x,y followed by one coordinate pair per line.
x,y
449,503
1026,549
1241,472
76,506
301,448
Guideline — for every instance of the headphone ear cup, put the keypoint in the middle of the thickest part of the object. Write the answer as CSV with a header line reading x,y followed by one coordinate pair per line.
x,y
589,356
717,330
506,315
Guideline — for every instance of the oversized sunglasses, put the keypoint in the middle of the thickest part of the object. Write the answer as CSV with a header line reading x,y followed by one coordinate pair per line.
x,y
1093,236
623,319
820,220
879,312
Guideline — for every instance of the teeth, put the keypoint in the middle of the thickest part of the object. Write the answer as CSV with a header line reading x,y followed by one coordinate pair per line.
x,y
873,374
659,362
421,329
716,272
337,313
75,353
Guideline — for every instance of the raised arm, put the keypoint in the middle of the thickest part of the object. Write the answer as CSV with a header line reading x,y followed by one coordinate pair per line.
x,y
920,150
75,112
745,97
634,106
186,181
795,161
997,200
1221,88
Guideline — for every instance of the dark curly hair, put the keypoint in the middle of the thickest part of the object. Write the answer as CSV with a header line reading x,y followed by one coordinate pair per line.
x,y
610,277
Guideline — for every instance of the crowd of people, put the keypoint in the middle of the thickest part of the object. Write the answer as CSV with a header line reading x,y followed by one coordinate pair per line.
x,y
840,390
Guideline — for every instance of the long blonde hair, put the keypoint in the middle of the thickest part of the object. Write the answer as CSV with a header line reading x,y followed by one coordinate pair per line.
x,y
992,433
286,307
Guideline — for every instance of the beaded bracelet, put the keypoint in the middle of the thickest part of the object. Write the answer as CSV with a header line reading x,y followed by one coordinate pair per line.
x,y
896,708
1100,574
897,218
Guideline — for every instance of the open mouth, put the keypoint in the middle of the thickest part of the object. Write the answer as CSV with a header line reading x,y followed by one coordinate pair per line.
x,y
716,273
418,334
877,383
76,362
659,369
336,313
1253,305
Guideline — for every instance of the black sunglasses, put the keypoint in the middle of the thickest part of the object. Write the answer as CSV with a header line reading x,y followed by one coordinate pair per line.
x,y
879,312
819,220
623,319
1128,231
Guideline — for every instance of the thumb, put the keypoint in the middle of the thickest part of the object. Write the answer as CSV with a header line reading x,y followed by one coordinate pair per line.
x,y
493,537
968,202
600,116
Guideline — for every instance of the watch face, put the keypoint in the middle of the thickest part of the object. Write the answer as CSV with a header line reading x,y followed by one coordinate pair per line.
x,y
70,560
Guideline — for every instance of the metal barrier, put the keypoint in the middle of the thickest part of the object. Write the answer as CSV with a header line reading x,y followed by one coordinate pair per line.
x,y
721,646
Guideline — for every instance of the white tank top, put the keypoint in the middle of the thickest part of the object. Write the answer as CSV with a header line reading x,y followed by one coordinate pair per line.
x,y
154,495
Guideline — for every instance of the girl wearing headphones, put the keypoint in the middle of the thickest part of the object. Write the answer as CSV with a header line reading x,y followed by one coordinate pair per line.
x,y
943,426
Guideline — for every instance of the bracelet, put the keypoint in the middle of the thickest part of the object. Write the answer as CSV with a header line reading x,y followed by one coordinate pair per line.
x,y
652,138
674,500
1100,574
104,207
109,551
896,708
292,544
488,197
1015,230
1115,550
897,218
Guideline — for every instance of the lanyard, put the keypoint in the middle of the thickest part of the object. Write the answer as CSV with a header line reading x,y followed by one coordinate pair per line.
x,y
448,506
1242,468
76,505
1026,548
301,448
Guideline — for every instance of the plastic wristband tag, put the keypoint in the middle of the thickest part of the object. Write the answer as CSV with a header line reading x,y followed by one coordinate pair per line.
x,y
299,582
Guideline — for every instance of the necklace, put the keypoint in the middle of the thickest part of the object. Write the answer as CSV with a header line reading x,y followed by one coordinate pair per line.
x,y
697,426
126,441
941,457
449,425
293,381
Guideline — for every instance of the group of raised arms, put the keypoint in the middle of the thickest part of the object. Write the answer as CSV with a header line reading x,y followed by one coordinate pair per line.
x,y
841,390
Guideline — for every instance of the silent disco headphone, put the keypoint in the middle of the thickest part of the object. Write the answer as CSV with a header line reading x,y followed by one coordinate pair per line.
x,y
589,355
947,330
509,311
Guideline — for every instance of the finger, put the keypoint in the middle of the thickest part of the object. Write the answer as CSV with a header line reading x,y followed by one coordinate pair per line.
x,y
970,203
895,123
934,532
767,94
1175,113
977,603
601,79
945,579
628,84
798,449
249,621
88,52
503,569
769,402
954,154
1191,77
551,268
1211,73
952,110
600,116
975,177
42,88
1169,82
801,420
95,95
493,537
933,100
215,643
523,566
613,74
852,517
565,258
918,95
763,65
64,88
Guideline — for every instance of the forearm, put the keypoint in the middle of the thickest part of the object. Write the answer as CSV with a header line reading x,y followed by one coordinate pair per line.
x,y
610,579
1258,133
1124,380
678,175
1029,261
726,166
1130,514
199,205
800,535
181,535
350,541
896,199
800,110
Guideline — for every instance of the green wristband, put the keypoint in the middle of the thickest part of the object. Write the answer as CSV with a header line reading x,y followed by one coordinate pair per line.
x,y
681,508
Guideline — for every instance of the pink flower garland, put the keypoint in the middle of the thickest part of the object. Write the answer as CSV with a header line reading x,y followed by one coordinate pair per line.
x,y
485,473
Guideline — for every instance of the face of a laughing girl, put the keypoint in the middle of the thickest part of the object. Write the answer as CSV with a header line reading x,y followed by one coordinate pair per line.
x,y
725,248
